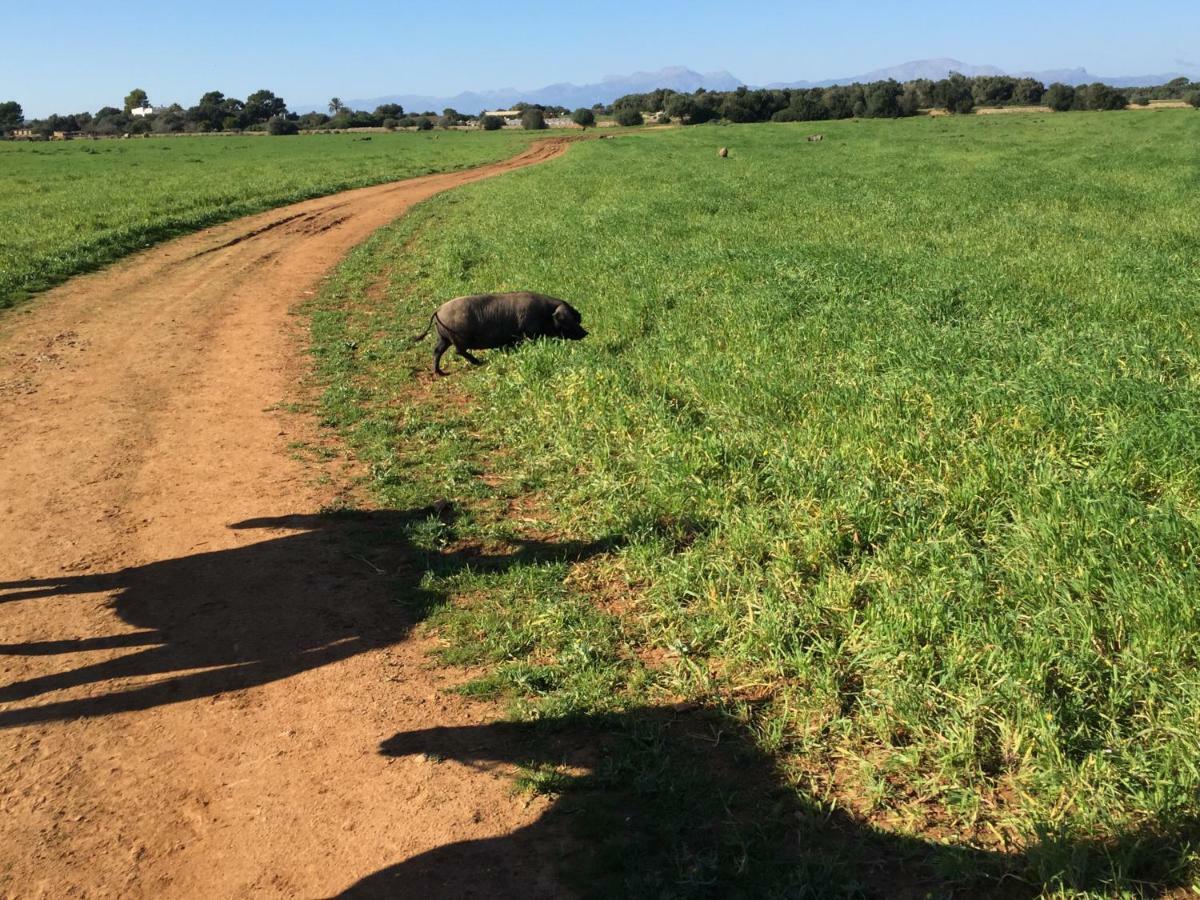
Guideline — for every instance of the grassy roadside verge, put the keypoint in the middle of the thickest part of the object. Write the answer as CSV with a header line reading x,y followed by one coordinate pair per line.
x,y
67,208
889,443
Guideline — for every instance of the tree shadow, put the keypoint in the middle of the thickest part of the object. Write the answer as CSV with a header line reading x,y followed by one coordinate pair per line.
x,y
668,804
231,619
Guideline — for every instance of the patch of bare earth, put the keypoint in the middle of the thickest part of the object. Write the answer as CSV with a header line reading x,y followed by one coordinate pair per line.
x,y
198,666
1009,110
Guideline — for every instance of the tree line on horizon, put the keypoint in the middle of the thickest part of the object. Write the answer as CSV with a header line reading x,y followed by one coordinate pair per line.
x,y
261,111
888,99
265,111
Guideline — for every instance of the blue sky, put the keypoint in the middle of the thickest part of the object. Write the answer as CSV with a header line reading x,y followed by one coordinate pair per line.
x,y
73,56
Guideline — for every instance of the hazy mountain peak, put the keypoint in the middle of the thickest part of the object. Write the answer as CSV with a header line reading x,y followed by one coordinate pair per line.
x,y
685,80
935,69
678,78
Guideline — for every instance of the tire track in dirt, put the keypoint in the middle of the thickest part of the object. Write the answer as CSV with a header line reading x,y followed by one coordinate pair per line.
x,y
197,669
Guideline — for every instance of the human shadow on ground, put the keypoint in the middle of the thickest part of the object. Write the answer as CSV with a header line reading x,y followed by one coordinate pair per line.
x,y
671,804
231,619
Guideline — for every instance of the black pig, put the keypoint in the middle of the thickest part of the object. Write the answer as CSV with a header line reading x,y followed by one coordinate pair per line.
x,y
486,321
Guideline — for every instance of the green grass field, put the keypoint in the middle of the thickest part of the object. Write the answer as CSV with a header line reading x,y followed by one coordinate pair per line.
x,y
66,208
892,443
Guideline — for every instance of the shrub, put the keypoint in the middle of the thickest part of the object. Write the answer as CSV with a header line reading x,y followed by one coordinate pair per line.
x,y
491,123
584,118
532,119
280,125
1059,97
883,100
954,94
1194,99
312,120
629,116
424,124
390,123
1101,96
806,107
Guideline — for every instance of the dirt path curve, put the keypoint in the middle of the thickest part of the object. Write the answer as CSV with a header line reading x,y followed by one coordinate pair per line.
x,y
196,668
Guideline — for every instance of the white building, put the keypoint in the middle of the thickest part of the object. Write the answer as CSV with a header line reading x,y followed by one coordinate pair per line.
x,y
143,111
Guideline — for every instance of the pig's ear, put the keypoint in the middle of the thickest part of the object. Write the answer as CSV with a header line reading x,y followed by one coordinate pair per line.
x,y
562,315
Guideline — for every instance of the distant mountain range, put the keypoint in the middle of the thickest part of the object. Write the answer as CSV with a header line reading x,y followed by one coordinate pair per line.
x,y
573,96
940,68
683,79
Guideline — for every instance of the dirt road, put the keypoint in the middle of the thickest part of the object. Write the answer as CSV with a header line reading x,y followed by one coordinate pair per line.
x,y
198,669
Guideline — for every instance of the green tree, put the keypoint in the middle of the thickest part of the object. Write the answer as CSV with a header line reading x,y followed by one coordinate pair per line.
x,y
491,123
216,112
360,119
805,106
745,105
262,106
11,115
883,99
682,107
336,106
170,120
312,120
1194,99
838,102
954,94
109,120
1028,92
389,111
1101,96
136,99
281,125
923,88
627,115
1059,97
532,119
584,118
993,90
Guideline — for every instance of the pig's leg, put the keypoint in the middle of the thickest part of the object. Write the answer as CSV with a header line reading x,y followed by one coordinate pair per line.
x,y
466,354
439,348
